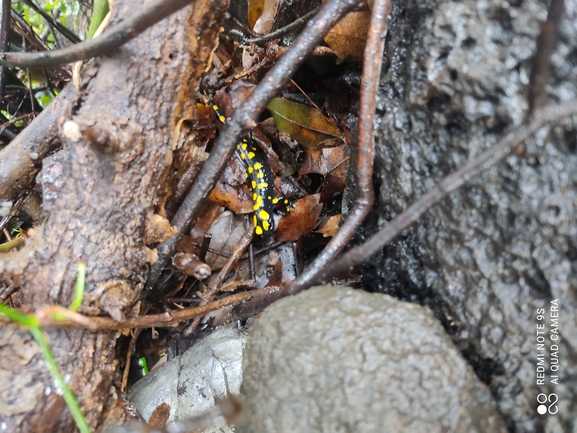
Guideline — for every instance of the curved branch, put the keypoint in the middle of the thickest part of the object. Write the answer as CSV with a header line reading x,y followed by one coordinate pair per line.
x,y
546,42
110,40
4,38
292,27
364,174
69,319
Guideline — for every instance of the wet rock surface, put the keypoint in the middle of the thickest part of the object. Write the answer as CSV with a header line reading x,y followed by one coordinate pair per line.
x,y
495,252
334,359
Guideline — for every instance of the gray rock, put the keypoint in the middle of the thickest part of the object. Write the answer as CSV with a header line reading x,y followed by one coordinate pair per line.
x,y
334,359
493,253
190,384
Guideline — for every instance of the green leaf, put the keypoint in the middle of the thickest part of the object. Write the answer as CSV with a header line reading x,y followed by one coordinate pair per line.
x,y
305,124
100,10
80,280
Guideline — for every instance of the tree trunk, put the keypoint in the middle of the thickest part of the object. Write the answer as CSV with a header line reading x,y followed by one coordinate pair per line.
x,y
120,138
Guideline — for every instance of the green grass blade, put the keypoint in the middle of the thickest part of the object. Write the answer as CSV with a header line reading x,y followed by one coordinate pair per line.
x,y
28,320
69,398
98,14
80,280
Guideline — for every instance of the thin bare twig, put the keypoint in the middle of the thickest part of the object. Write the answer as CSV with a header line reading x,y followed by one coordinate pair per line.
x,y
545,46
27,33
110,40
168,319
244,119
239,250
5,11
131,346
13,211
212,290
67,33
294,26
6,292
364,173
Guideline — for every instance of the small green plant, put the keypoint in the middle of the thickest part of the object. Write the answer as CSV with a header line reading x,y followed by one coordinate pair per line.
x,y
31,322
98,13
143,365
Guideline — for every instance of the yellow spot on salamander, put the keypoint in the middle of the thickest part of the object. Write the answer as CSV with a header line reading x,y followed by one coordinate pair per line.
x,y
263,185
254,221
263,215
251,155
258,230
244,146
254,196
274,200
222,118
265,226
258,166
253,184
260,175
258,203
242,156
250,170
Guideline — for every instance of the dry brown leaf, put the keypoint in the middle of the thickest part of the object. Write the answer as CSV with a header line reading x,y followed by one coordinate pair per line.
x,y
302,218
323,161
255,8
265,22
347,39
329,229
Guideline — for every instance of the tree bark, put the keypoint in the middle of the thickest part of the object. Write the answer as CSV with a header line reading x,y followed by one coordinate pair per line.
x,y
124,143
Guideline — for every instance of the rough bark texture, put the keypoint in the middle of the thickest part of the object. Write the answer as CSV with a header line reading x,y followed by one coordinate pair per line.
x,y
493,253
98,190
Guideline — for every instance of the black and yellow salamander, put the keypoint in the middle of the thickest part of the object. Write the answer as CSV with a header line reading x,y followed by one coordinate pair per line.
x,y
260,180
